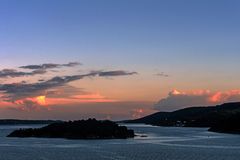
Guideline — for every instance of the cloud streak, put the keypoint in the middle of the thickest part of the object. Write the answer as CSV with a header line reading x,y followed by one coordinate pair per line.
x,y
162,74
50,65
31,93
12,73
36,69
17,91
115,73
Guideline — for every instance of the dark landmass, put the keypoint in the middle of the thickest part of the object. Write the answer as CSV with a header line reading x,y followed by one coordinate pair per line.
x,y
82,129
221,118
231,124
19,122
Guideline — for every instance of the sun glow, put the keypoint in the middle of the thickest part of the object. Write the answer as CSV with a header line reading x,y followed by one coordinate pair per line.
x,y
41,100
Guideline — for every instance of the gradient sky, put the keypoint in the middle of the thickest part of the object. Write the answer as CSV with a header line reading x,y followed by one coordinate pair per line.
x,y
146,56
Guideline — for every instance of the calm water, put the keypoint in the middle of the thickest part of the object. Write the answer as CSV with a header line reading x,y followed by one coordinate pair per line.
x,y
161,143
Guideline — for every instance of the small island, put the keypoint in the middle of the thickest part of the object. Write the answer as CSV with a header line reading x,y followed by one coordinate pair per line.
x,y
81,129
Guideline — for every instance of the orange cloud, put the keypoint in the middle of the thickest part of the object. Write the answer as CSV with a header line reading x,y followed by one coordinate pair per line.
x,y
6,104
87,98
176,92
33,103
194,92
178,99
223,96
39,100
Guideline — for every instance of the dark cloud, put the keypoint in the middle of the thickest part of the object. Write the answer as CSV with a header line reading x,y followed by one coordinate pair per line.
x,y
5,73
115,73
71,64
43,66
24,95
36,69
42,69
162,74
41,80
65,91
50,65
15,91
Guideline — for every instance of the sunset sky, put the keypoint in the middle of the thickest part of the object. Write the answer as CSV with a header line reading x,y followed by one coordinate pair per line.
x,y
116,59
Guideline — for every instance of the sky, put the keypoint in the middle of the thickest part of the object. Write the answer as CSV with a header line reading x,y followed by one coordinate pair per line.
x,y
119,59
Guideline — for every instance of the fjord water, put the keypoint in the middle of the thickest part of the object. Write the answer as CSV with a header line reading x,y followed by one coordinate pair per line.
x,y
161,143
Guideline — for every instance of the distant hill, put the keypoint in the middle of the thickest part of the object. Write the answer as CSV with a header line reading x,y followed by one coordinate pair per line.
x,y
220,118
82,129
19,122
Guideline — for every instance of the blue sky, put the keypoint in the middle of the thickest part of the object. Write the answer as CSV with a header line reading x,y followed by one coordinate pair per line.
x,y
195,42
166,32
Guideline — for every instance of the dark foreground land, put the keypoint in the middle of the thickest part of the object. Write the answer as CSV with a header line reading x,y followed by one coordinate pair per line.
x,y
82,129
223,118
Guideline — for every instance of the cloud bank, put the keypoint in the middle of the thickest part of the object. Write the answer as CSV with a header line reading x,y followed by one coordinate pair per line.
x,y
177,99
16,91
31,95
